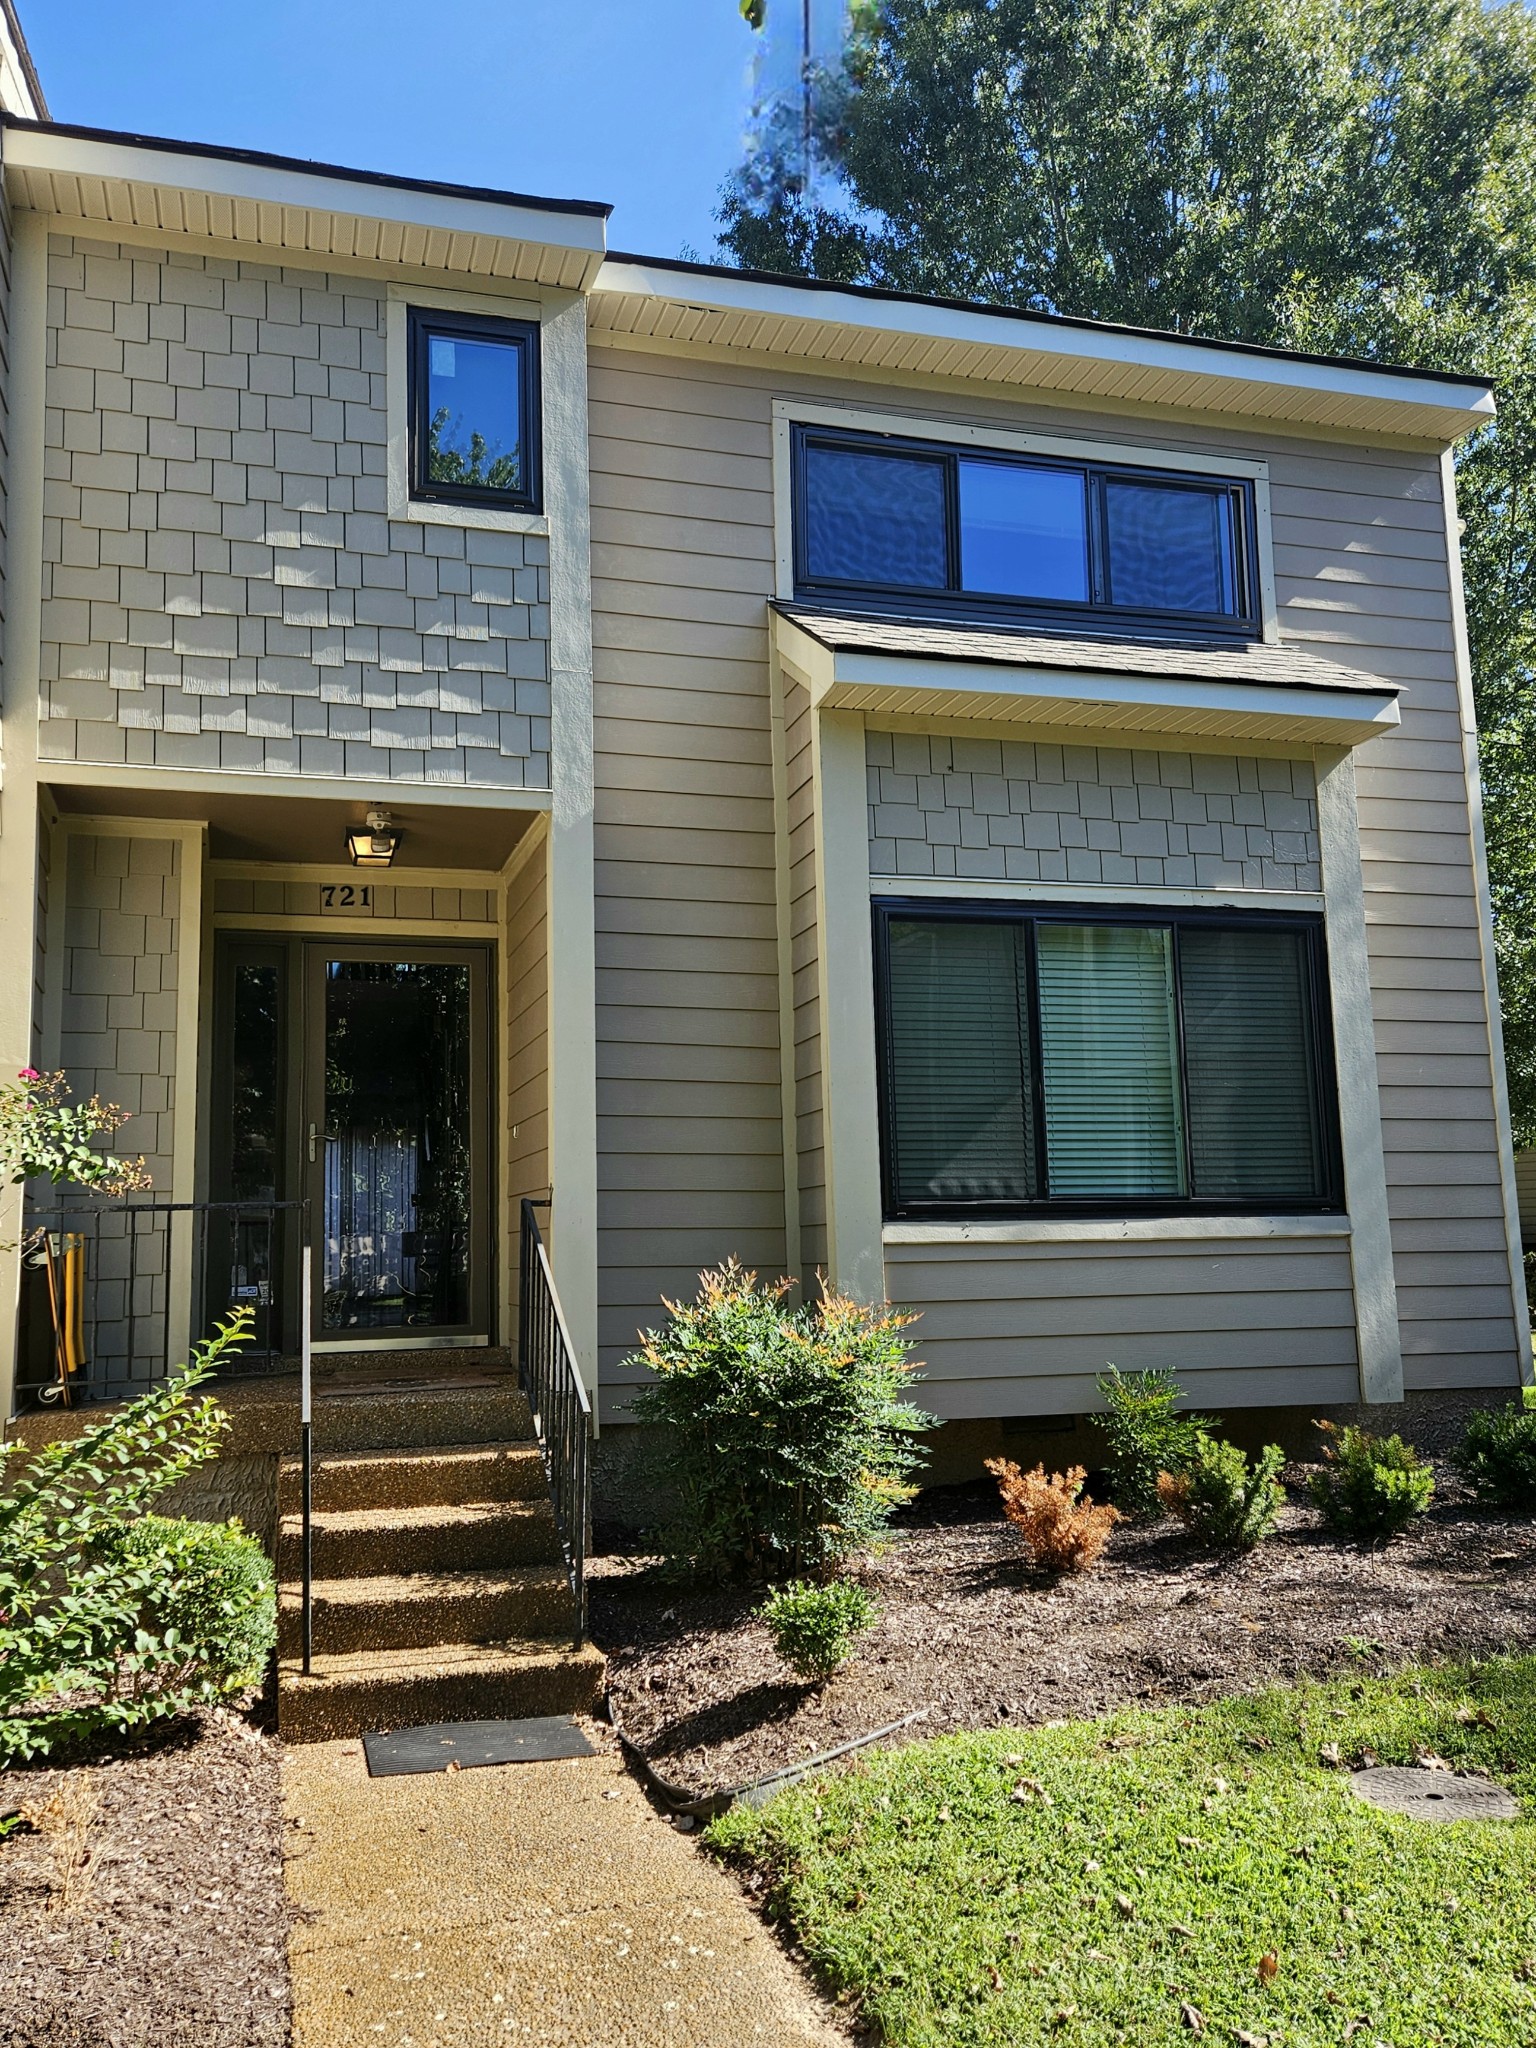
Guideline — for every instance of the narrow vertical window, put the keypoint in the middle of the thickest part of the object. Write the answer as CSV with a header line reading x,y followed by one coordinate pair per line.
x,y
1249,1038
962,1115
1109,1060
474,410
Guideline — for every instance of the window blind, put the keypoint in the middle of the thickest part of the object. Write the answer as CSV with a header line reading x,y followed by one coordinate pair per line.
x,y
961,1121
1109,1059
1253,1122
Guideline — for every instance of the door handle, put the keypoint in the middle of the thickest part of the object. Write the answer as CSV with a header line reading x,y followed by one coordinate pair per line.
x,y
313,1133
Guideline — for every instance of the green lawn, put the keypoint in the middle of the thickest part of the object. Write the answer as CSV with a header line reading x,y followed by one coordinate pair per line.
x,y
1124,1880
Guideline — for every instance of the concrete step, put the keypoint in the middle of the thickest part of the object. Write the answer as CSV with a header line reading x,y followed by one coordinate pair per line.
x,y
427,1608
355,1543
429,1477
360,1691
387,1418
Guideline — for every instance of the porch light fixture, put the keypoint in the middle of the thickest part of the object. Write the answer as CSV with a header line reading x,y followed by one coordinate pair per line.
x,y
373,845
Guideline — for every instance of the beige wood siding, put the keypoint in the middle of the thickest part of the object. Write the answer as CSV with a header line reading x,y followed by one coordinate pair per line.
x,y
690,1143
688,1025
1020,1329
1362,574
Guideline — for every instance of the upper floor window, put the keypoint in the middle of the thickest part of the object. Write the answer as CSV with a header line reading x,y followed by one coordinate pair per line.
x,y
474,410
942,529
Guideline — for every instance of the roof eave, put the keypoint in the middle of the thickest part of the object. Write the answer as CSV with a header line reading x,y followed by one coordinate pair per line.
x,y
106,181
633,298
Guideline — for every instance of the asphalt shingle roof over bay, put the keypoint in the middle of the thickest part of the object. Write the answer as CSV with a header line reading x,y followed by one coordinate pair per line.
x,y
941,640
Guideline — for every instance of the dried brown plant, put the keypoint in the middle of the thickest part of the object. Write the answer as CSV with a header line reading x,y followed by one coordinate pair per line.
x,y
65,1821
1063,1530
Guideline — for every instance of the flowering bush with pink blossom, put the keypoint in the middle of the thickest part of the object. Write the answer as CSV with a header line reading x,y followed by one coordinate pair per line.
x,y
46,1136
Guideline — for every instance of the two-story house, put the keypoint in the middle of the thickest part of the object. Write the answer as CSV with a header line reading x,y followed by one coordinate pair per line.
x,y
980,806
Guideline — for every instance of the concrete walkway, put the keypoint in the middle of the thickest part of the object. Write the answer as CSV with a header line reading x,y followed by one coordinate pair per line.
x,y
543,1903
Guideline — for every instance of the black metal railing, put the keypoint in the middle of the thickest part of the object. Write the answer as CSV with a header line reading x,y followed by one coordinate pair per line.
x,y
562,1414
114,1294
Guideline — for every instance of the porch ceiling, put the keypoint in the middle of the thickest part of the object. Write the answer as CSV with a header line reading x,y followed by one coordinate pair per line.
x,y
313,829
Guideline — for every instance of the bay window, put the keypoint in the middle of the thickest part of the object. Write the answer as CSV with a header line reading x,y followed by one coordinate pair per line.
x,y
1111,1062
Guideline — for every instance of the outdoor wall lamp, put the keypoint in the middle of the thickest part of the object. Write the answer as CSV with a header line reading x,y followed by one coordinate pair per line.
x,y
373,845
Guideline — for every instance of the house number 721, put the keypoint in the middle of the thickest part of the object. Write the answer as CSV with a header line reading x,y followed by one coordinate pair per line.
x,y
346,896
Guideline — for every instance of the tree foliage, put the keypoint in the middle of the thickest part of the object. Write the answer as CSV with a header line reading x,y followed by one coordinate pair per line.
x,y
1338,176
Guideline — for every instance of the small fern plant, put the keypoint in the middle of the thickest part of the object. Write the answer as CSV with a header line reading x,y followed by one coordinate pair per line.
x,y
1223,1501
1147,1434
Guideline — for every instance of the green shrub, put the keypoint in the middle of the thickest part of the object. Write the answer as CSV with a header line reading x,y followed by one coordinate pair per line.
x,y
784,1443
1370,1487
214,1593
1497,1456
1146,1433
87,1639
1221,1499
814,1628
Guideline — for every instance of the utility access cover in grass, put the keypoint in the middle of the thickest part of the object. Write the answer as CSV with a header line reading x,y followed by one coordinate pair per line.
x,y
1186,1875
1433,1795
406,1751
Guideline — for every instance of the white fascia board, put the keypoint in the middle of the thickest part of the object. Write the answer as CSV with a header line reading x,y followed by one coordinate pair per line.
x,y
312,193
1422,398
1345,717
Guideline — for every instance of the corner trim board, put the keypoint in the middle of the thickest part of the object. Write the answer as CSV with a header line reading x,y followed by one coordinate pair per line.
x,y
1377,1333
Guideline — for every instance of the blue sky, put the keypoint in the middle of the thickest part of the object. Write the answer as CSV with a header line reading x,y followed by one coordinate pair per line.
x,y
641,102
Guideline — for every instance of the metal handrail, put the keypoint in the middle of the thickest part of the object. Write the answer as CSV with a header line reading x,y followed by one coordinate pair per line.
x,y
562,1413
147,1284
306,1454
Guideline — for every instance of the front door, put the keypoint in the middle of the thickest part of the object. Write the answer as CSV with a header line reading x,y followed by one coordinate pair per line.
x,y
357,1076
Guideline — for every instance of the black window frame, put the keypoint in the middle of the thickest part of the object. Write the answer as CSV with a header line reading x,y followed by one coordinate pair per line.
x,y
889,909
423,323
1096,610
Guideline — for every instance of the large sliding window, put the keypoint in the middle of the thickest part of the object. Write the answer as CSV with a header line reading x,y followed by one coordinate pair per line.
x,y
951,529
1125,1062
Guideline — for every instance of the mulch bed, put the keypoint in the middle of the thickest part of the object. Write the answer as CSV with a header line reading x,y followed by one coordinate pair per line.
x,y
179,1937
969,1631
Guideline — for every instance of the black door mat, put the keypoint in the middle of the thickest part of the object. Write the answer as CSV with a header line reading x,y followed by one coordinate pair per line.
x,y
472,1743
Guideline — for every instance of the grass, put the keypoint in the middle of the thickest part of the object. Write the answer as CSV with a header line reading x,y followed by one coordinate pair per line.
x,y
1167,1876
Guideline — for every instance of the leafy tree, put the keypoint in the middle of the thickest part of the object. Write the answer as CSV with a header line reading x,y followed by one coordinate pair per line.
x,y
1338,176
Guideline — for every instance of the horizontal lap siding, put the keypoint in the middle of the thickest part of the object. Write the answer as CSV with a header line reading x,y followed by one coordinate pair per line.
x,y
690,1147
1370,585
682,553
1025,1328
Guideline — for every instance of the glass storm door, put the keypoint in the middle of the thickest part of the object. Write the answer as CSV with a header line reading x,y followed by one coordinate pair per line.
x,y
395,1139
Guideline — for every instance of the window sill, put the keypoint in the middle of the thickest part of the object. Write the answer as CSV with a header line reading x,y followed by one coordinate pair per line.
x,y
1115,1229
488,518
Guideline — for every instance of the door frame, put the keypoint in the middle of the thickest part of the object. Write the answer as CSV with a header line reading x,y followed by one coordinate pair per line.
x,y
301,1091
